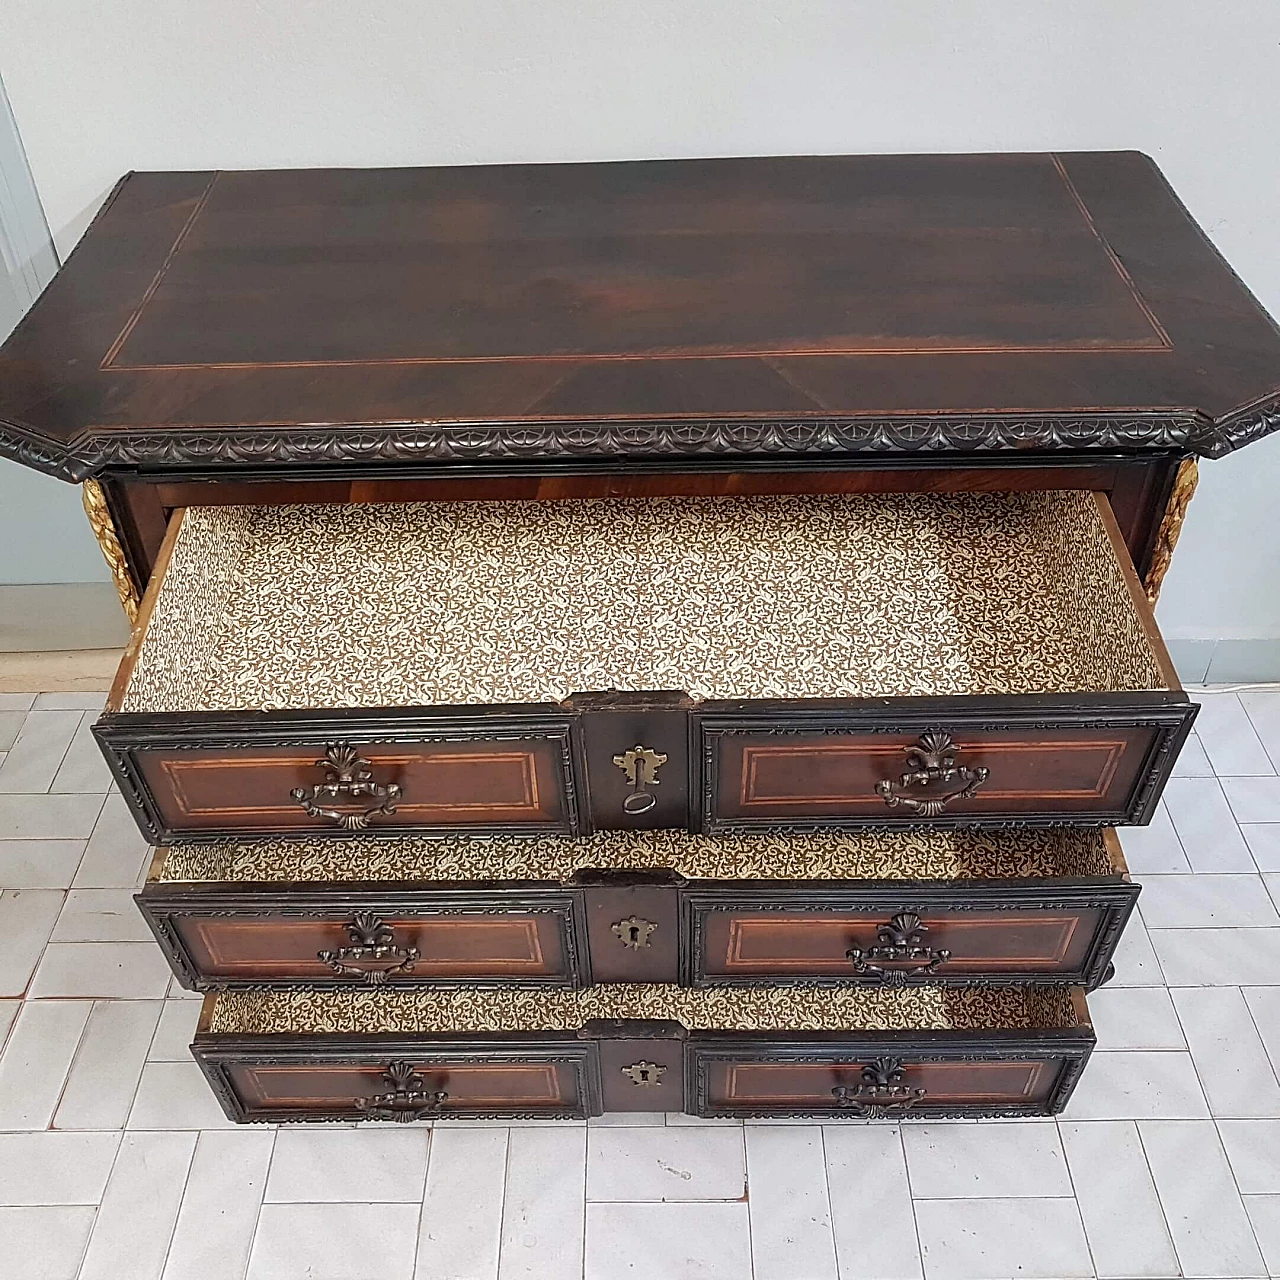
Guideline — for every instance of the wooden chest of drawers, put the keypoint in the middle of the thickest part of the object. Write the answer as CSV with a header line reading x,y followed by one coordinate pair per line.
x,y
657,635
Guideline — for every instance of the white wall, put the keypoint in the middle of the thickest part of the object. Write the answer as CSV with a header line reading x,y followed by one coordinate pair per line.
x,y
102,86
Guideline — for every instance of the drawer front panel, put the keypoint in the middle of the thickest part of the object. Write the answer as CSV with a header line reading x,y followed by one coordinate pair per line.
x,y
419,1084
632,1064
221,950
1018,1080
849,773
211,788
440,786
941,934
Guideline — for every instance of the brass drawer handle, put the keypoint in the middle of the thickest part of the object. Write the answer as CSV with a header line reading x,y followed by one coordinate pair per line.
x,y
901,939
883,1088
641,766
372,941
409,1099
349,776
932,760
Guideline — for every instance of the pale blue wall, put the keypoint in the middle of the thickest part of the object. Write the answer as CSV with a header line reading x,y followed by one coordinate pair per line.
x,y
43,531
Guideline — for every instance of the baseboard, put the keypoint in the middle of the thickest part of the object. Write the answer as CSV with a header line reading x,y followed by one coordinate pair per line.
x,y
61,616
71,671
1226,661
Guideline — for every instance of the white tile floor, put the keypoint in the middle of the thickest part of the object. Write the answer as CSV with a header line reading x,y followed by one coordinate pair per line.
x,y
115,1163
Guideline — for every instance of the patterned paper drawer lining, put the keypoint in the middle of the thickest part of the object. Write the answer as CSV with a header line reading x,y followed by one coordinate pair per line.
x,y
793,597
897,855
301,1012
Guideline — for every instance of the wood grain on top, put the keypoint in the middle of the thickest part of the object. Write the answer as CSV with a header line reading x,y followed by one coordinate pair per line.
x,y
802,289
631,262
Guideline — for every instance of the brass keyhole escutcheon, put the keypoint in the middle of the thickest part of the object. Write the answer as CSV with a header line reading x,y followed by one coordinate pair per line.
x,y
633,932
644,1074
641,766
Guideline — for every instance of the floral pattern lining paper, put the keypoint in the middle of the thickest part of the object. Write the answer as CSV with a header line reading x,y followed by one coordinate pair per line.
x,y
421,604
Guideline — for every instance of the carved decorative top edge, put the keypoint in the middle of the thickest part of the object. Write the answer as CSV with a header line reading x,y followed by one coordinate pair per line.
x,y
1244,426
168,447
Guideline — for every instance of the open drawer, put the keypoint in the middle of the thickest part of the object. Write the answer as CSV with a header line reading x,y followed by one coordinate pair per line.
x,y
839,908
844,661
420,1055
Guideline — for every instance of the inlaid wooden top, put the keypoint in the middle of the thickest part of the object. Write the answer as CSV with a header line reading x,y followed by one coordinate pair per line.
x,y
517,314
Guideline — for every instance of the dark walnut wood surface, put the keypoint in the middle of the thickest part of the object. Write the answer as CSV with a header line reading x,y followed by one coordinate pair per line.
x,y
238,322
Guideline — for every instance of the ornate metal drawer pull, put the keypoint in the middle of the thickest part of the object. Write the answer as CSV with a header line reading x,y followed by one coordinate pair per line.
x,y
409,1099
350,776
645,1074
641,767
901,939
372,941
932,760
883,1088
633,932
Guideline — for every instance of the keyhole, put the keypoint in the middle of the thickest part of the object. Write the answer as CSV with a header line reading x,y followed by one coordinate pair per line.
x,y
644,1073
633,936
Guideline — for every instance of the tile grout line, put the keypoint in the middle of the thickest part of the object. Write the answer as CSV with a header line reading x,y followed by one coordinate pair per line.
x,y
1146,928
97,1212
826,1191
1253,1022
915,1217
1195,1066
826,1182
502,1217
970,1199
133,1099
53,777
422,1208
1075,1197
80,860
97,1208
746,1191
262,1201
66,1079
582,1235
1173,826
1265,749
1155,1186
186,1181
63,758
